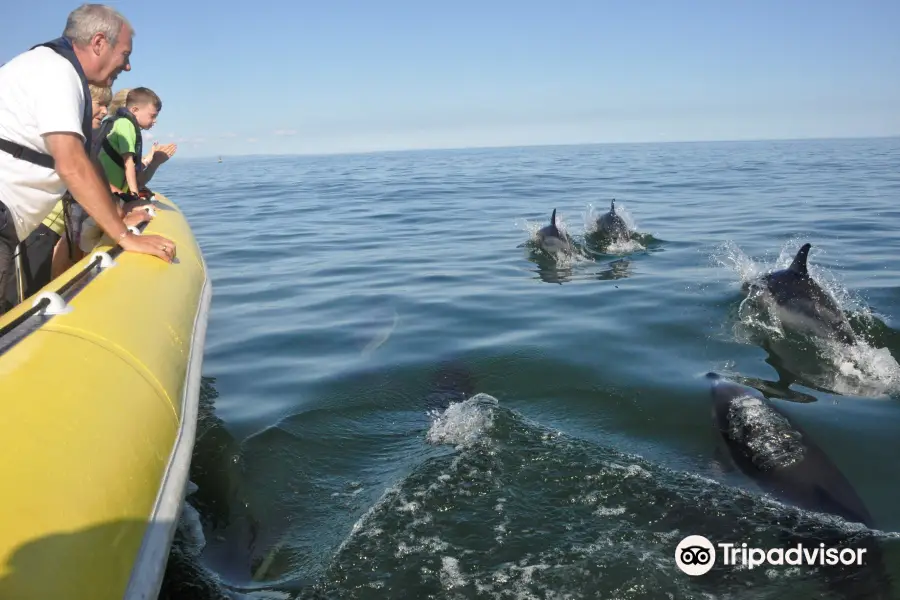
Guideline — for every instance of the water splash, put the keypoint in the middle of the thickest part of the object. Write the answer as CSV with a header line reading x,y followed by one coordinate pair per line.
x,y
730,256
862,369
463,424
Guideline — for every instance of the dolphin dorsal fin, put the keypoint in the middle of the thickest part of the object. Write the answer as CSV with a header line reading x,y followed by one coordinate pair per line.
x,y
799,264
612,206
553,218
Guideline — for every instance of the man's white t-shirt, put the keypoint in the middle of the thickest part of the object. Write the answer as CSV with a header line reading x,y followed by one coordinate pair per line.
x,y
40,93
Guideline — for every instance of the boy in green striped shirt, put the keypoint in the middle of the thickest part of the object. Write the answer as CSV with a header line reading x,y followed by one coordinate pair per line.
x,y
122,150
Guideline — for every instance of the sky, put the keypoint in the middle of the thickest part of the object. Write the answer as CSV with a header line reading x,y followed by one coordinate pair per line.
x,y
296,76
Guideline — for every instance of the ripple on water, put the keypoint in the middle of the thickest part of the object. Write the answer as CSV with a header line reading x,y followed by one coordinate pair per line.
x,y
312,257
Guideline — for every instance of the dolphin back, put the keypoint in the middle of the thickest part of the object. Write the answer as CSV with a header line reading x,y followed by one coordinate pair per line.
x,y
551,229
552,239
771,449
763,437
611,224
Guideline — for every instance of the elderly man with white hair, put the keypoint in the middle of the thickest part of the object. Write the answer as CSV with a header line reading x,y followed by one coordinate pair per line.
x,y
45,135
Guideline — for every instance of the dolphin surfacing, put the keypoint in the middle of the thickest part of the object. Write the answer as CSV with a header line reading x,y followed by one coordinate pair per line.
x,y
552,239
778,455
802,303
611,225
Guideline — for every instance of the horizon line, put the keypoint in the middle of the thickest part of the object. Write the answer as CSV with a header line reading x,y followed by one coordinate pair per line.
x,y
543,145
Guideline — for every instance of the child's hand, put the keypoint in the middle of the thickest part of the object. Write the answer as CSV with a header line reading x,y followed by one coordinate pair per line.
x,y
137,217
149,156
133,204
163,153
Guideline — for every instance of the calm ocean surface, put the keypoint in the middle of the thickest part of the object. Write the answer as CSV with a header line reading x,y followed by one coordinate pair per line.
x,y
579,450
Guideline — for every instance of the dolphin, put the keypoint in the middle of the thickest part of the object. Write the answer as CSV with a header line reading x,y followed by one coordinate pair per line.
x,y
802,303
778,455
451,383
552,239
612,225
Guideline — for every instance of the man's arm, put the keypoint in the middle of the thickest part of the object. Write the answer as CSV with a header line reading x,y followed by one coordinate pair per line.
x,y
130,173
83,182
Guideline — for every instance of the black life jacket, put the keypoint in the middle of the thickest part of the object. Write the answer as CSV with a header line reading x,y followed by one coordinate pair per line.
x,y
95,143
63,47
102,140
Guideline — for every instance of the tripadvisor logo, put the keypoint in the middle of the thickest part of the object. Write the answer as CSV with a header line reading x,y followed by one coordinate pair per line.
x,y
696,555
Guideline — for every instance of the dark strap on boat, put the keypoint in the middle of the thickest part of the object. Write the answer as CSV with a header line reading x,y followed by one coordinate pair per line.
x,y
63,47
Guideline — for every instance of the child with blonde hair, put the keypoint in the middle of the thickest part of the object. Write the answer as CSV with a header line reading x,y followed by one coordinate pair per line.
x,y
118,100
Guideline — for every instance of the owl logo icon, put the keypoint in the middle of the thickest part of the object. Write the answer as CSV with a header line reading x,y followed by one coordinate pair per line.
x,y
695,555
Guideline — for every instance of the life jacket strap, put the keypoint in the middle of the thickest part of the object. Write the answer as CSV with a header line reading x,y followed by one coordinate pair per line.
x,y
113,154
67,201
63,47
27,154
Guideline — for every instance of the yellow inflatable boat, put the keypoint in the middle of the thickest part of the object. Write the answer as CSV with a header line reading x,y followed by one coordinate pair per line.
x,y
99,380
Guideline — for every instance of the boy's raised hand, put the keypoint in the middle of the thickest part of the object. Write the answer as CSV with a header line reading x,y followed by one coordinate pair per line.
x,y
163,153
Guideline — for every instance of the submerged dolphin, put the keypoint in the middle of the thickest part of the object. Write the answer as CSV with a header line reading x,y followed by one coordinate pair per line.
x,y
773,451
552,239
802,303
612,225
451,383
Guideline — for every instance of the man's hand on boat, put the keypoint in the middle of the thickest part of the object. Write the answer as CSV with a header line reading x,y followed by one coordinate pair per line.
x,y
156,245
